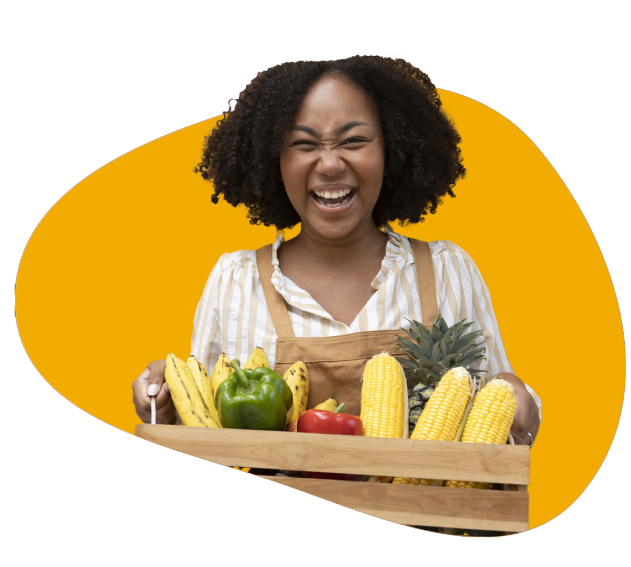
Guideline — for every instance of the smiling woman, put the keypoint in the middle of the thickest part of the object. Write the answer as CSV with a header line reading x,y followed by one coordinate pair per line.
x,y
343,148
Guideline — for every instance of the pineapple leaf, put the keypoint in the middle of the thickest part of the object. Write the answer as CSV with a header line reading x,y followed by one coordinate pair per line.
x,y
471,359
438,352
438,370
469,351
441,324
462,327
436,333
425,363
450,360
411,333
480,350
421,330
425,378
466,341
406,363
422,343
413,349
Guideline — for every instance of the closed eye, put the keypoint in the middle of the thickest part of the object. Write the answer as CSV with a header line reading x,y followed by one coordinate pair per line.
x,y
310,143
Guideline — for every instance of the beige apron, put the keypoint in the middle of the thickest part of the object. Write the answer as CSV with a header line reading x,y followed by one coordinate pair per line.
x,y
336,364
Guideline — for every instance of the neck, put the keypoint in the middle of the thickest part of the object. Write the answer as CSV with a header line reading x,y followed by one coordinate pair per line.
x,y
364,240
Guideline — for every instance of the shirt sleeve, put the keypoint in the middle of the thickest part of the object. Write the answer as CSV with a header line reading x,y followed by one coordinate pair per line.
x,y
462,293
206,339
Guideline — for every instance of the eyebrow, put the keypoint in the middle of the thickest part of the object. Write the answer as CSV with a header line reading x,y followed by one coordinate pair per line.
x,y
338,131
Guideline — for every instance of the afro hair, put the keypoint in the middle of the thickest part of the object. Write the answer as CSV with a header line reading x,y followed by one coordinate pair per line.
x,y
241,156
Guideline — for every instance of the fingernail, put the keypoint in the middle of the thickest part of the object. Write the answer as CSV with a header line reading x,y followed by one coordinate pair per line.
x,y
152,390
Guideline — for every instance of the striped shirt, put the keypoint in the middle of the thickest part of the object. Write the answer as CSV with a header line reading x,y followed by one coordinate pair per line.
x,y
232,315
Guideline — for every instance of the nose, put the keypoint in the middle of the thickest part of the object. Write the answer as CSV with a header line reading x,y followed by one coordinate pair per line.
x,y
330,164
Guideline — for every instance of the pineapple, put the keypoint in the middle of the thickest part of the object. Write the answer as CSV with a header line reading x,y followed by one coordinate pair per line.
x,y
433,353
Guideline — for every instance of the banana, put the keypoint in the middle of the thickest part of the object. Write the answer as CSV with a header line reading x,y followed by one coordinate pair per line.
x,y
200,374
297,378
188,400
329,405
257,359
221,371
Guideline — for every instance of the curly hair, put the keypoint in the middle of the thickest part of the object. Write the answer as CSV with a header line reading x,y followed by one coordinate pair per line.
x,y
422,158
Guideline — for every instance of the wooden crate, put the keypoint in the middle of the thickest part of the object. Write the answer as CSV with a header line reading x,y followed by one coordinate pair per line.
x,y
503,510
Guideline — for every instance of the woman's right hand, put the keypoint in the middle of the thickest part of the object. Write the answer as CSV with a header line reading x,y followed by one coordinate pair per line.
x,y
151,381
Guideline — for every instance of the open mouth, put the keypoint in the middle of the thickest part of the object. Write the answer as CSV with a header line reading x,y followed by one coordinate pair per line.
x,y
333,199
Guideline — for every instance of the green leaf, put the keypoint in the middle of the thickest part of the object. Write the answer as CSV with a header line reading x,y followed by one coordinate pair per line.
x,y
466,341
411,348
450,360
406,363
423,332
436,333
438,369
441,323
437,353
474,352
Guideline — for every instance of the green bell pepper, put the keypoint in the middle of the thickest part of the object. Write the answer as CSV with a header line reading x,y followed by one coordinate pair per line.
x,y
254,399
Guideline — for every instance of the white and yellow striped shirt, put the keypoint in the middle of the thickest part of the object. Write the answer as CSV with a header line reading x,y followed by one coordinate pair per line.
x,y
232,315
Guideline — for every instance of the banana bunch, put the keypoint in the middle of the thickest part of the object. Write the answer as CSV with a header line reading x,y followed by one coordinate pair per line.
x,y
191,391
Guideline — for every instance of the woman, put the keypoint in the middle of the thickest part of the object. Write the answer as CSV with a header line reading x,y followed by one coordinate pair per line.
x,y
344,148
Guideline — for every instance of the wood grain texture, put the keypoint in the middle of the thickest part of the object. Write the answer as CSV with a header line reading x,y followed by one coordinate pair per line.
x,y
423,505
347,454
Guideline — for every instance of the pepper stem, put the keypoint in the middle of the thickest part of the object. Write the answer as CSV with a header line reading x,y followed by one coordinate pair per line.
x,y
339,408
243,381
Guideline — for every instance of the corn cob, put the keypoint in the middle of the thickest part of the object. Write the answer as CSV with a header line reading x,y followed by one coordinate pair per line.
x,y
490,421
443,413
384,398
384,402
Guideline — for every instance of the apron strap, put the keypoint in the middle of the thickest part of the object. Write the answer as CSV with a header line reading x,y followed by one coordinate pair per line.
x,y
275,302
426,283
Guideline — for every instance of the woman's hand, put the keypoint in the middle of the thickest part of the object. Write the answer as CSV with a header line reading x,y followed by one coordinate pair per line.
x,y
527,414
151,381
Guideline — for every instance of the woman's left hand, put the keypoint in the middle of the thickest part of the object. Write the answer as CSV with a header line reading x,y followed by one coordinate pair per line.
x,y
527,415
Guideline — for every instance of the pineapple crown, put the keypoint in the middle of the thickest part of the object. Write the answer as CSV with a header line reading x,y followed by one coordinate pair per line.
x,y
434,352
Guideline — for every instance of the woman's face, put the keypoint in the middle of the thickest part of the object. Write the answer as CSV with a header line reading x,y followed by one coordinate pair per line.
x,y
332,159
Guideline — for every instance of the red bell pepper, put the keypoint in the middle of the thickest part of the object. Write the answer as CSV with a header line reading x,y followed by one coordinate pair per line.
x,y
330,422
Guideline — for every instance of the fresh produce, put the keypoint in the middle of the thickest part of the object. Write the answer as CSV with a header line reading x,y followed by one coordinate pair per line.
x,y
297,378
254,399
489,421
200,374
384,398
433,353
257,359
384,402
444,411
221,372
188,400
333,423
328,405
330,422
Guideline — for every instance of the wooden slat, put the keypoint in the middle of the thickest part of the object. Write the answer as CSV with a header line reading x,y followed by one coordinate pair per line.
x,y
346,454
424,505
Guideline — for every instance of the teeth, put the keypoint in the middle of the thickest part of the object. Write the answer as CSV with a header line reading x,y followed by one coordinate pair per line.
x,y
334,194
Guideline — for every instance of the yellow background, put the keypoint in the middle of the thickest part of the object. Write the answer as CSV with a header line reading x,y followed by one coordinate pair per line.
x,y
110,280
